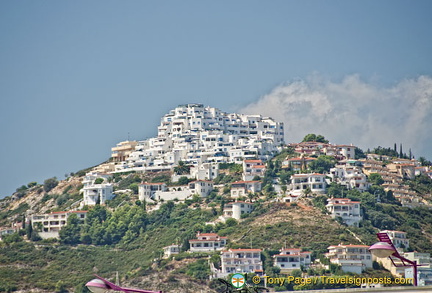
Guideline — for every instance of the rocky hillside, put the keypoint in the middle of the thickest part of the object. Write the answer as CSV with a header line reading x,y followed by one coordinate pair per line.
x,y
127,236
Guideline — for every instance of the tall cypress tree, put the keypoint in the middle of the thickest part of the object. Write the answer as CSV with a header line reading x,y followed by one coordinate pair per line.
x,y
29,230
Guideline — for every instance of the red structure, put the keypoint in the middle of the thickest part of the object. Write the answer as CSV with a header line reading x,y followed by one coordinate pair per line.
x,y
101,285
385,248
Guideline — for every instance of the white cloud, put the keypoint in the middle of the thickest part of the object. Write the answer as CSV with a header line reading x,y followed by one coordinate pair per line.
x,y
354,111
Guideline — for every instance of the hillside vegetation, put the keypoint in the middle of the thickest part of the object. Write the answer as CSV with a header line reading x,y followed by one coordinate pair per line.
x,y
127,236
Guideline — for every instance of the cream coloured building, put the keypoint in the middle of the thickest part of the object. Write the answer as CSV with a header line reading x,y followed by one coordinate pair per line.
x,y
237,209
345,208
241,260
351,258
49,225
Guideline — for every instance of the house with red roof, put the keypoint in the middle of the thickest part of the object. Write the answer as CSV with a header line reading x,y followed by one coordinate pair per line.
x,y
290,259
242,188
241,260
315,182
252,168
346,209
207,242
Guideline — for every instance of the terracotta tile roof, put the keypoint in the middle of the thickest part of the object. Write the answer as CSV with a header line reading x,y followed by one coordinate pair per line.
x,y
348,245
149,183
243,249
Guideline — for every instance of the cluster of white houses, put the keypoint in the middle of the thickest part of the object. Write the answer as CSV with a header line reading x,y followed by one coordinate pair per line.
x,y
203,137
198,135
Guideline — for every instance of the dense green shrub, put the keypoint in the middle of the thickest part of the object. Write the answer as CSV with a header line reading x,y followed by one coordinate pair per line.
x,y
50,183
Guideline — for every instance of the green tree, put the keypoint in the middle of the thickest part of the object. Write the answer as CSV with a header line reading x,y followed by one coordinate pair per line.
x,y
98,213
134,187
60,287
70,234
307,191
231,222
50,183
99,180
29,230
376,179
359,154
199,269
182,168
183,180
314,137
424,162
323,164
31,184
11,238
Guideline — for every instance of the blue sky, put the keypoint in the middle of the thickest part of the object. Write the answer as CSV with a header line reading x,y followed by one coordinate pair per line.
x,y
77,76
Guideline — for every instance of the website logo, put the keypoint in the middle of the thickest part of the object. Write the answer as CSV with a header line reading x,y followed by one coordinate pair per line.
x,y
238,280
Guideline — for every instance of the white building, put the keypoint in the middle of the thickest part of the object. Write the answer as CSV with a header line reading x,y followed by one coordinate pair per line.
x,y
349,175
205,171
346,209
181,194
96,189
236,209
171,250
49,225
148,190
290,259
298,163
201,187
346,151
241,260
242,188
398,238
252,168
314,182
207,242
351,258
